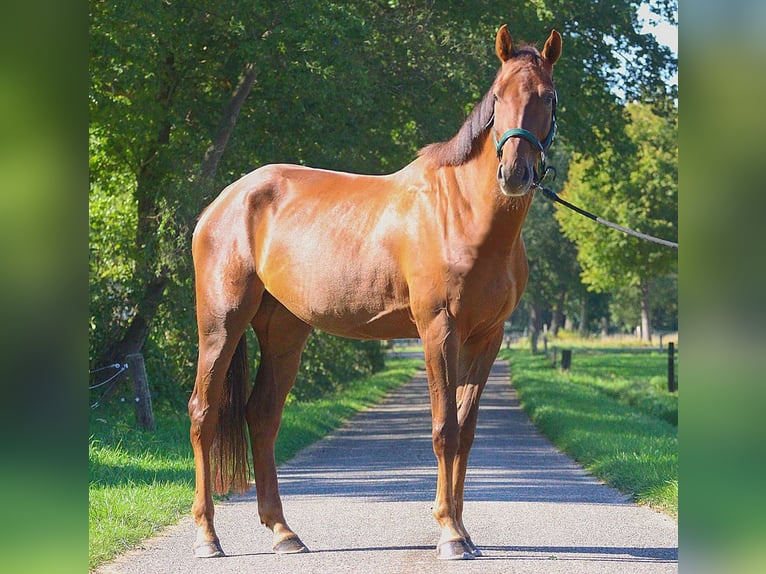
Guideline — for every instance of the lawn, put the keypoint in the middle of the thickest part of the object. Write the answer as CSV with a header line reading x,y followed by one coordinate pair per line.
x,y
611,412
142,481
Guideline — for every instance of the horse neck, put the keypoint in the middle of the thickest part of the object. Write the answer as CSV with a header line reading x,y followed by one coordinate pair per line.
x,y
498,217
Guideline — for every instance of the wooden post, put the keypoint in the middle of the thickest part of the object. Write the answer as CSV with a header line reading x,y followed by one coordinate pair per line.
x,y
566,359
143,399
672,387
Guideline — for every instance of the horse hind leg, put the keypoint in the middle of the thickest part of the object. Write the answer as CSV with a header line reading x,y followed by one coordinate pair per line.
x,y
281,336
216,407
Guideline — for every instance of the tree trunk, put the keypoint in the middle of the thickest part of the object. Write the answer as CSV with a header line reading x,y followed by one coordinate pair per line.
x,y
132,341
226,127
535,325
557,318
149,183
646,319
583,331
147,246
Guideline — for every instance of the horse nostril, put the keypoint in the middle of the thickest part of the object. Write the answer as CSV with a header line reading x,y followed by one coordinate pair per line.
x,y
500,172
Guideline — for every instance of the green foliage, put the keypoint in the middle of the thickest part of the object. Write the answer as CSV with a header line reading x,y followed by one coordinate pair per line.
x,y
636,187
112,230
632,181
553,268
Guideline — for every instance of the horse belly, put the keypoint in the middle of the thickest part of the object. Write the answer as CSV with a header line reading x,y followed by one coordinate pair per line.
x,y
335,291
331,247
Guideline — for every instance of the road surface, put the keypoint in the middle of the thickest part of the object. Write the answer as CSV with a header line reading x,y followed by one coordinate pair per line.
x,y
361,500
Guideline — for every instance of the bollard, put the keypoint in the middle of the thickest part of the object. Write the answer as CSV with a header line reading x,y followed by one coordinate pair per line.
x,y
672,387
566,359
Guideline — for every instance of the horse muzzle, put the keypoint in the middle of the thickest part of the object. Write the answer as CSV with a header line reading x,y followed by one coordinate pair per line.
x,y
517,179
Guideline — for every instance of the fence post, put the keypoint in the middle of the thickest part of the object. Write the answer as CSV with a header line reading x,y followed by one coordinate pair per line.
x,y
566,359
671,369
143,399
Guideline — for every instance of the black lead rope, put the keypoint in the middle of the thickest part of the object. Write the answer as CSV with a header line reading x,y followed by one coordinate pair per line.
x,y
550,194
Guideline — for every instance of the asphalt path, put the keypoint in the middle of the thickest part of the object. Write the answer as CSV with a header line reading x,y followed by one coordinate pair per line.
x,y
361,501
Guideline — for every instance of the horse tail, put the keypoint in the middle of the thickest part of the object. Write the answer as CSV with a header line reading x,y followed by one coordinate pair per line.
x,y
230,463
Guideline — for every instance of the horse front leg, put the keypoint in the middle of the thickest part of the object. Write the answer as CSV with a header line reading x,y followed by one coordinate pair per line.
x,y
477,358
441,345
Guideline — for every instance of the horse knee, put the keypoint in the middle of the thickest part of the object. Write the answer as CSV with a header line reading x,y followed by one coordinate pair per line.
x,y
446,439
200,419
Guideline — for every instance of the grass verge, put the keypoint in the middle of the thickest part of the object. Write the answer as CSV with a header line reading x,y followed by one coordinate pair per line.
x,y
610,415
141,481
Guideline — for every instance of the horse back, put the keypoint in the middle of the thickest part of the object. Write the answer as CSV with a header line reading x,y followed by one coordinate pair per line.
x,y
351,254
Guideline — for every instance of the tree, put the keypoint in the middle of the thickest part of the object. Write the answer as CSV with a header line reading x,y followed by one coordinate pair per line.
x,y
635,186
162,76
187,96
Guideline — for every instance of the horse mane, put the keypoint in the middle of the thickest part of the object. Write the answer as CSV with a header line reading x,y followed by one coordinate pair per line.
x,y
465,143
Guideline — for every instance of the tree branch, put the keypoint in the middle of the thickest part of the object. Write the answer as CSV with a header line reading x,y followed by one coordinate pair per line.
x,y
226,127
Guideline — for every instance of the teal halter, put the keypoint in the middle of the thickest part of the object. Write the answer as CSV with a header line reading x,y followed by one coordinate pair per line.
x,y
542,147
527,135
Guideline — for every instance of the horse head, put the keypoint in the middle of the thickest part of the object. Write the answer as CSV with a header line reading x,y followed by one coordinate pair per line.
x,y
524,120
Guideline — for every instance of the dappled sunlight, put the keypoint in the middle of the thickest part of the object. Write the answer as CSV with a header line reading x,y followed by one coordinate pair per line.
x,y
387,456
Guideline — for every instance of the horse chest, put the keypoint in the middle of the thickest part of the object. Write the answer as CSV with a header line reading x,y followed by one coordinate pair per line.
x,y
475,288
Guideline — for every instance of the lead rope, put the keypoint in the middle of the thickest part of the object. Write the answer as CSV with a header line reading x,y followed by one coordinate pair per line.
x,y
550,194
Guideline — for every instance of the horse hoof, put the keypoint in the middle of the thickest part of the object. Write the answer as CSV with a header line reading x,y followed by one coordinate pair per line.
x,y
291,545
454,550
208,549
473,548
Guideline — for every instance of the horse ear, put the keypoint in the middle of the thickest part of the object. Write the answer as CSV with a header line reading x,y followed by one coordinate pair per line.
x,y
552,48
504,44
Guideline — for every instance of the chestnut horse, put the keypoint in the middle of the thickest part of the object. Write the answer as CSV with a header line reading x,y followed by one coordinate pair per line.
x,y
432,251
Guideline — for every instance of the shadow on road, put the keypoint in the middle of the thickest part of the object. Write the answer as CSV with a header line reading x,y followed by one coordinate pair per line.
x,y
386,455
568,553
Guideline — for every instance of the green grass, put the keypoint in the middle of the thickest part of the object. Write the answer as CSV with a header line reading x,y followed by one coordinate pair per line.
x,y
637,378
142,481
609,413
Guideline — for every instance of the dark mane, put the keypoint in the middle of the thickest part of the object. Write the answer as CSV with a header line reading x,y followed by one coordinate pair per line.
x,y
464,144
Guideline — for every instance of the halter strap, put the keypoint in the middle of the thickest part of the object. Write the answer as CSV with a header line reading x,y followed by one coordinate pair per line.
x,y
517,133
542,147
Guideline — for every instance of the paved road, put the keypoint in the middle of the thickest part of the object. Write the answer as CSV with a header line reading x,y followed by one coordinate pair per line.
x,y
361,500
